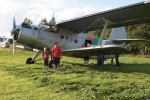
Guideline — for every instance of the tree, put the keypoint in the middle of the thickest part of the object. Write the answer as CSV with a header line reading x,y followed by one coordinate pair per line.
x,y
28,21
141,31
44,20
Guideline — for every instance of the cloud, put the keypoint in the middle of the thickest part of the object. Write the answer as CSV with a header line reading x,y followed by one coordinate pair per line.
x,y
33,9
74,12
38,9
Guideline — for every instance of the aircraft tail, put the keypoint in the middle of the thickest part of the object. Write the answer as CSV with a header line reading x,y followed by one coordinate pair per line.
x,y
117,33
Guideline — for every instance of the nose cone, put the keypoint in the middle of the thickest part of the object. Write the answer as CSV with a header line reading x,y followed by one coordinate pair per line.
x,y
15,32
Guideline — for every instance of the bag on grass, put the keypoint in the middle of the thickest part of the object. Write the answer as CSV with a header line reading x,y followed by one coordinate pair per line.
x,y
50,64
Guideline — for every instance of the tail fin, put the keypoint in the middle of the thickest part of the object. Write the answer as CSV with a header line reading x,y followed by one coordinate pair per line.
x,y
117,33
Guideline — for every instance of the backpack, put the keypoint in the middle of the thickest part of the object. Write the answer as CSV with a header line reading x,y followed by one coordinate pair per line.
x,y
50,64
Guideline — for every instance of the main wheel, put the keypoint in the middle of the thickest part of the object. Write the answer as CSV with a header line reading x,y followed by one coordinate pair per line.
x,y
29,61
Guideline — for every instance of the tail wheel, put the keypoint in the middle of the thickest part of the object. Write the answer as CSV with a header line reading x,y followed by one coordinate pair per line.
x,y
29,61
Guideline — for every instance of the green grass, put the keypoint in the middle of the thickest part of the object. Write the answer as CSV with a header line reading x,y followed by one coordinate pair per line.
x,y
130,81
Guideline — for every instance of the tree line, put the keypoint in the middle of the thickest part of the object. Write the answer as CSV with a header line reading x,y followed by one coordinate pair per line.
x,y
141,31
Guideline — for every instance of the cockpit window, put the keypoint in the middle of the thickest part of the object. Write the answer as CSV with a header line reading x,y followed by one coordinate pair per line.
x,y
26,25
35,28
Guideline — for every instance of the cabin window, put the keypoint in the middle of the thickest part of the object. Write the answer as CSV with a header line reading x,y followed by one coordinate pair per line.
x,y
35,28
76,41
66,38
62,37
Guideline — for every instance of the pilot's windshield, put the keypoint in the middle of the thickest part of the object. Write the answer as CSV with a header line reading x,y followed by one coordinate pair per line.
x,y
26,25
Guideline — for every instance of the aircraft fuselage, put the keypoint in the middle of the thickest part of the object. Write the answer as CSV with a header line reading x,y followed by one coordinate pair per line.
x,y
39,38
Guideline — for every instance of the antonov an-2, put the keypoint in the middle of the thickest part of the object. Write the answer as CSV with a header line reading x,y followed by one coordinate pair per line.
x,y
71,34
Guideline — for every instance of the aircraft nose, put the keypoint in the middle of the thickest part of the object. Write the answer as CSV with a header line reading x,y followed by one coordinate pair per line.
x,y
15,33
15,30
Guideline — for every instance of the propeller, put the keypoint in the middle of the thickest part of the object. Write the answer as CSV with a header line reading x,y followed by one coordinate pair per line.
x,y
13,33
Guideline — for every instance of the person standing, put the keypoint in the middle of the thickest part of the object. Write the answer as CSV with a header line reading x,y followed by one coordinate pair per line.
x,y
86,57
45,56
56,56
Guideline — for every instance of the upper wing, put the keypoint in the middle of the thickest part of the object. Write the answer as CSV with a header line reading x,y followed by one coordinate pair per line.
x,y
127,15
96,50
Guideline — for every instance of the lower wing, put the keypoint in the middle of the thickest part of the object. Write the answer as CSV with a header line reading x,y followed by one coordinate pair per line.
x,y
96,51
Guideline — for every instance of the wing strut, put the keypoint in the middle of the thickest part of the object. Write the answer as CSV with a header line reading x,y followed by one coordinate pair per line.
x,y
107,22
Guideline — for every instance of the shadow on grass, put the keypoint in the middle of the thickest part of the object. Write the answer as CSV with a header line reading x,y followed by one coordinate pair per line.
x,y
124,68
24,70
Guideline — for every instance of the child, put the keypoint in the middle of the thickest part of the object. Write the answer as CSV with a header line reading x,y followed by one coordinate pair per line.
x,y
45,56
86,58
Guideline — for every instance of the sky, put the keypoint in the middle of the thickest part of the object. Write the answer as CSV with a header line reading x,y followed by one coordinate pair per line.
x,y
62,9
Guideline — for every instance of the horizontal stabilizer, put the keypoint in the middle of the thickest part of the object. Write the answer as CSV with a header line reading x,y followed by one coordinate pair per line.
x,y
119,41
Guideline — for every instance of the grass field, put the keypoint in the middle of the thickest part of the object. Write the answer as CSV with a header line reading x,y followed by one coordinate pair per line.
x,y
130,81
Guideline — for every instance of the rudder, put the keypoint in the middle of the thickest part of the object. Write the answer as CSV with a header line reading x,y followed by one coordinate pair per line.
x,y
117,33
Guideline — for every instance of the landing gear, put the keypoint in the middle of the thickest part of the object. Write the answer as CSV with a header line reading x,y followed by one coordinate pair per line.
x,y
117,60
100,60
29,61
112,61
32,60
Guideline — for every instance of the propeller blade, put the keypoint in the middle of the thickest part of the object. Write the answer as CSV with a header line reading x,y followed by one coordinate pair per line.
x,y
13,45
14,23
13,33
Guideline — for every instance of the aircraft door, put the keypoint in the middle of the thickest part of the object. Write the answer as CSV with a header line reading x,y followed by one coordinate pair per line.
x,y
33,31
34,34
88,43
41,35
